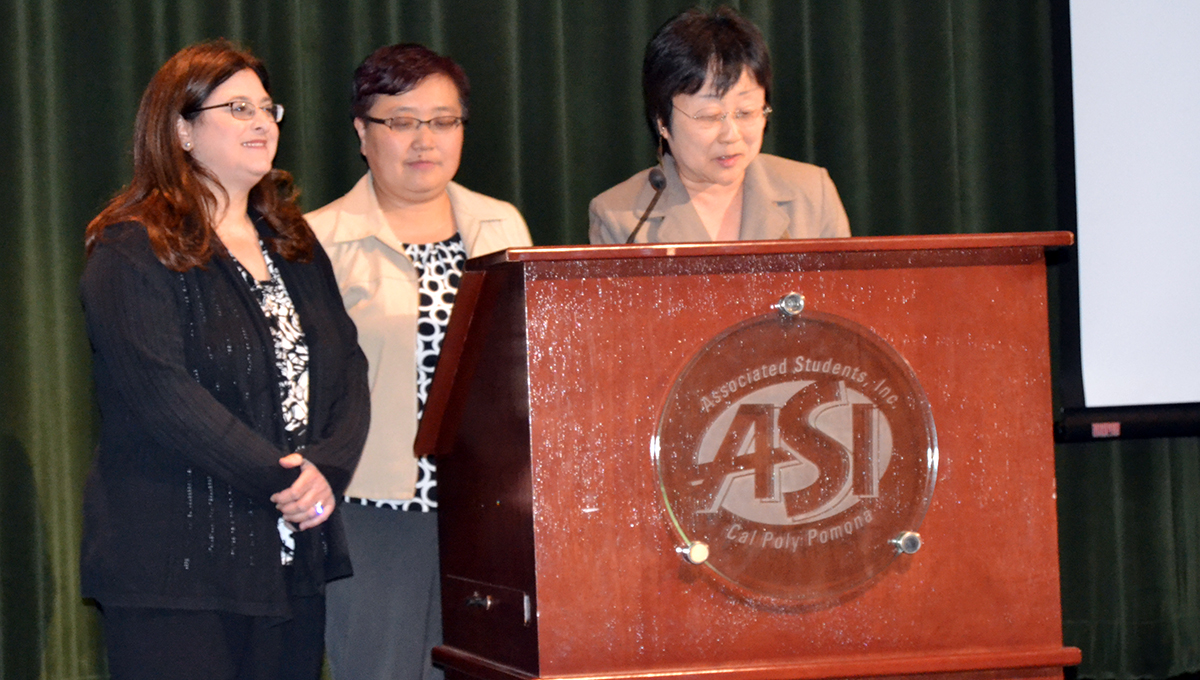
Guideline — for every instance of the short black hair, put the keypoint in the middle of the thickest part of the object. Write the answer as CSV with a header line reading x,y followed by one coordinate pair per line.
x,y
396,69
693,44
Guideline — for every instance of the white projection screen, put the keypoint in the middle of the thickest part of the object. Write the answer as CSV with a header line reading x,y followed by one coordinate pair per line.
x,y
1127,81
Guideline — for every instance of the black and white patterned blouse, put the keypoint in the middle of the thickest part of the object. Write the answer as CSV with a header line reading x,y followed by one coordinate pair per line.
x,y
439,267
291,357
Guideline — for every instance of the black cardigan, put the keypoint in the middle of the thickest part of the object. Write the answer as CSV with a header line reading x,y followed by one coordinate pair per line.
x,y
177,510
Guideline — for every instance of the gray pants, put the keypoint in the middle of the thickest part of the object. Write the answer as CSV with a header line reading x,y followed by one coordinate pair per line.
x,y
381,623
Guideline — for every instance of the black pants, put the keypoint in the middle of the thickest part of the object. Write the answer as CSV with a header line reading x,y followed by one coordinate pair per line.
x,y
177,644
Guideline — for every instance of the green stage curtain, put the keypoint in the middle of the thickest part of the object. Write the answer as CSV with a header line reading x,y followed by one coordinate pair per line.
x,y
933,116
1129,549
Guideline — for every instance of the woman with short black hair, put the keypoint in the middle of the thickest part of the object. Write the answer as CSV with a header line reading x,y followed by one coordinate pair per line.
x,y
399,240
706,83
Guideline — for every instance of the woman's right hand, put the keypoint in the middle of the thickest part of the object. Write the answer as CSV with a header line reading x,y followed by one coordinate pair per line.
x,y
309,501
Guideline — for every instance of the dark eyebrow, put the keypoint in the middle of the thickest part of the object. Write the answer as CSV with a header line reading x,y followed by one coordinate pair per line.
x,y
411,110
243,98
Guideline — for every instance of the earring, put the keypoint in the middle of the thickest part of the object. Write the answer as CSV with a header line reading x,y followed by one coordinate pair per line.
x,y
187,146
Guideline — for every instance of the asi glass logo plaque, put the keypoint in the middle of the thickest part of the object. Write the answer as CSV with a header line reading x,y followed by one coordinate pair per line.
x,y
797,455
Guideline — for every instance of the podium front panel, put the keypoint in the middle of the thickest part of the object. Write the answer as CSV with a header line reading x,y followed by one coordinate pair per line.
x,y
607,341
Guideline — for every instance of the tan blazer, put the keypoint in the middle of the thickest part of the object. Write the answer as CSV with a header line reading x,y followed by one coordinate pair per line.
x,y
783,199
379,288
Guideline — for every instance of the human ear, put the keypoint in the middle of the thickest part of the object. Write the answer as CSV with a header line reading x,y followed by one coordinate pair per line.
x,y
183,130
360,126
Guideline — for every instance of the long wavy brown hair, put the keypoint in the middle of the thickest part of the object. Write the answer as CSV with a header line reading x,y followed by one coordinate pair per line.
x,y
169,194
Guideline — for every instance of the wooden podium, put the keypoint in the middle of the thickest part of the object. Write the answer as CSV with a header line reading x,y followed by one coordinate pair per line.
x,y
559,554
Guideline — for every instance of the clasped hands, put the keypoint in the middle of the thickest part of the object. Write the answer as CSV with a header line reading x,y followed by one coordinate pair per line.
x,y
309,500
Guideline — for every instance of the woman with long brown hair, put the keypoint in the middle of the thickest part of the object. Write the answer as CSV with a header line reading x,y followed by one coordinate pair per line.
x,y
232,392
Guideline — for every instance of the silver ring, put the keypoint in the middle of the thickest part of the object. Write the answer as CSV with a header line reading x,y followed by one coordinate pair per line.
x,y
319,508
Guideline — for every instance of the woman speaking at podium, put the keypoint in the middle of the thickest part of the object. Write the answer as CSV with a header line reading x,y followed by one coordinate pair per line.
x,y
706,81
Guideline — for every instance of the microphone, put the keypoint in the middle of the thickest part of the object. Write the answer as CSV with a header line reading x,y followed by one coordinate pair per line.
x,y
659,181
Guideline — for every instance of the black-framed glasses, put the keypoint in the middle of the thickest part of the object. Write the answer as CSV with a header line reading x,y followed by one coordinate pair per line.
x,y
439,124
243,110
740,116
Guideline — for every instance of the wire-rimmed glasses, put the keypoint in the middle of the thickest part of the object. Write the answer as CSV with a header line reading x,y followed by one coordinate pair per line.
x,y
439,124
742,117
244,110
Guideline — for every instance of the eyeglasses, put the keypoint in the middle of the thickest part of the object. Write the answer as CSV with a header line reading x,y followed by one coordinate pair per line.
x,y
243,110
440,124
743,117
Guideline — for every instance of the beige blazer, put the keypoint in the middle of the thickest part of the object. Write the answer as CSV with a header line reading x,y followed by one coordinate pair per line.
x,y
379,288
783,199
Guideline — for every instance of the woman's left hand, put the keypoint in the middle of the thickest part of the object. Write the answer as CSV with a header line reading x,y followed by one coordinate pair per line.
x,y
309,500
